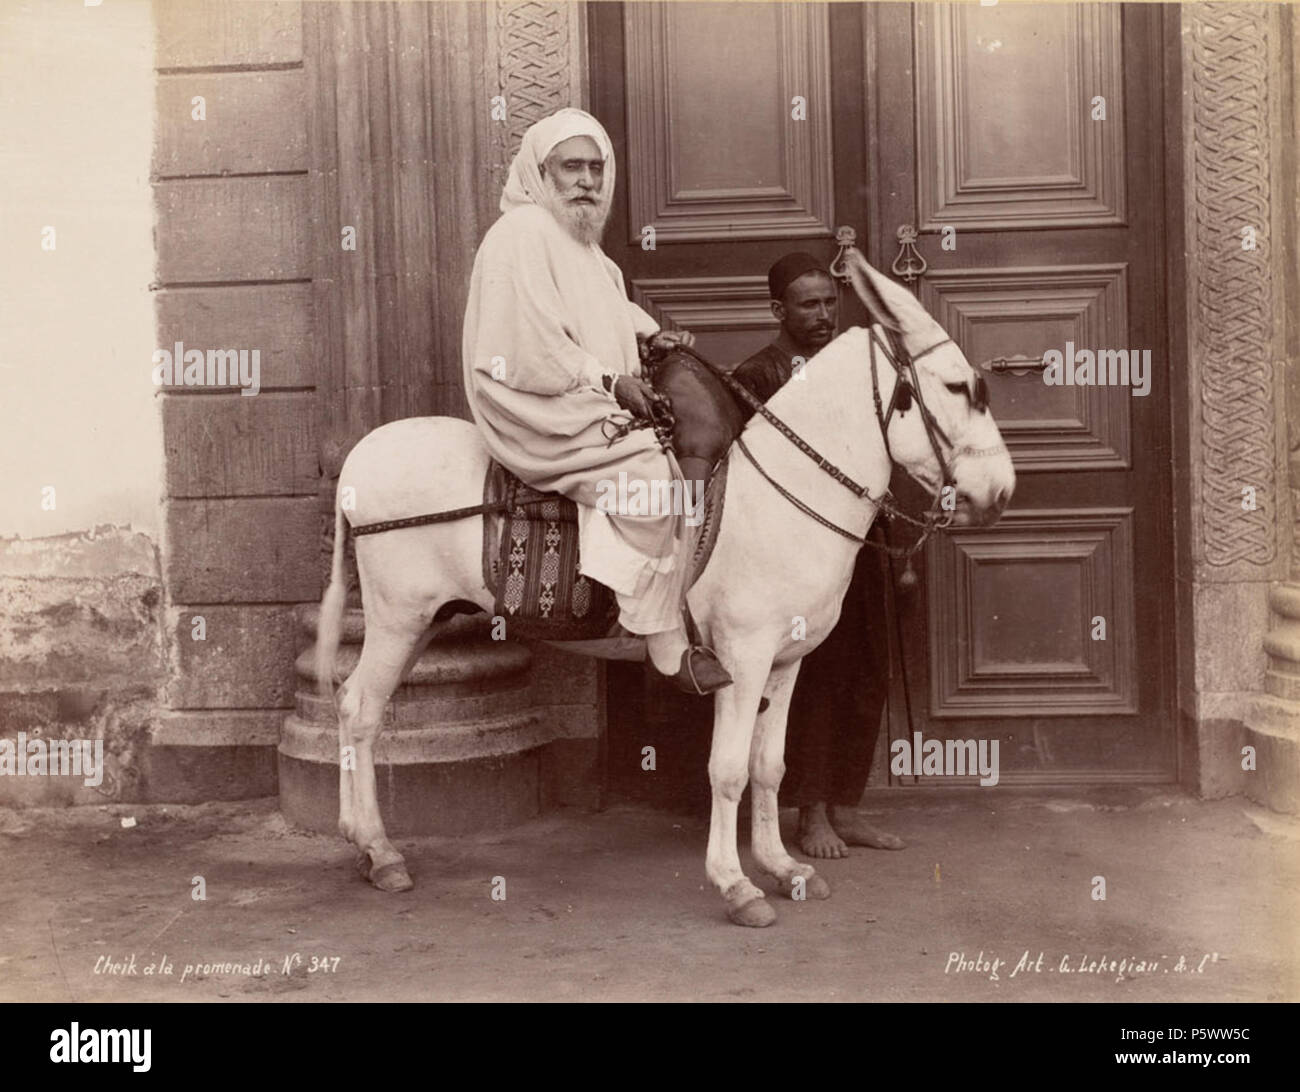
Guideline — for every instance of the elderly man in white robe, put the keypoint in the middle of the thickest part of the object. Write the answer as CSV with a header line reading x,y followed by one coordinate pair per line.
x,y
551,353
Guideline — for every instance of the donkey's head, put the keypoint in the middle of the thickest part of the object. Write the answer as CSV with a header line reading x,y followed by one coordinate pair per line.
x,y
935,406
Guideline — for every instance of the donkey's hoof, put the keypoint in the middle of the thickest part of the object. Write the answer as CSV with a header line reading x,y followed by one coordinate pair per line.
x,y
755,914
799,887
814,887
391,877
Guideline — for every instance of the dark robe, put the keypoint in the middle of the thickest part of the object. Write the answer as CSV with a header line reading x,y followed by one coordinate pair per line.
x,y
832,729
767,371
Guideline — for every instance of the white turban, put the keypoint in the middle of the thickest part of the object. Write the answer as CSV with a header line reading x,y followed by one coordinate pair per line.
x,y
524,185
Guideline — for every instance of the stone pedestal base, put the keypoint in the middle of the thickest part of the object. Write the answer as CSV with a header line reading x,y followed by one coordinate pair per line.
x,y
1273,729
424,798
461,745
1282,642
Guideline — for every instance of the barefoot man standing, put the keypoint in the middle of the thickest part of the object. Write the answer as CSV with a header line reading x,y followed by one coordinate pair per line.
x,y
840,693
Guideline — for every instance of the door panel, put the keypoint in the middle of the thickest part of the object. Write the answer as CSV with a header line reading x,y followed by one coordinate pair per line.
x,y
1004,98
693,71
699,100
730,316
1017,638
1004,318
1050,631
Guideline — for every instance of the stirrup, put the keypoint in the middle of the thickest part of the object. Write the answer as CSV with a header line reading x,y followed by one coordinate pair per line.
x,y
711,675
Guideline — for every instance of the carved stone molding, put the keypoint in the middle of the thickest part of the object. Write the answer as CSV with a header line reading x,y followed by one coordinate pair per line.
x,y
400,141
1240,183
538,52
1227,61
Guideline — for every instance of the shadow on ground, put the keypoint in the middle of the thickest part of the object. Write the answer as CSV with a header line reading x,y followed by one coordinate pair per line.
x,y
615,906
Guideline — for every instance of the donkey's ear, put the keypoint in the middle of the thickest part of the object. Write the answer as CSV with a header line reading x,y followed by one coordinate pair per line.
x,y
860,276
903,308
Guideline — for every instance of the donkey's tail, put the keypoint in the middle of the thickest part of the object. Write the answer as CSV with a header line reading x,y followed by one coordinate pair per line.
x,y
329,626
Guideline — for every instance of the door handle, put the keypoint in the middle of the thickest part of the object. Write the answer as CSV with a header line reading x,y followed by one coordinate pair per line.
x,y
910,264
1015,365
845,238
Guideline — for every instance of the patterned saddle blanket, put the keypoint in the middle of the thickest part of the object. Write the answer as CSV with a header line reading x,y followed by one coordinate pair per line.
x,y
531,560
530,564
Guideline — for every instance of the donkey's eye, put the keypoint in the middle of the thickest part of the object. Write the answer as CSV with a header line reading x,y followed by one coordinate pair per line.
x,y
958,388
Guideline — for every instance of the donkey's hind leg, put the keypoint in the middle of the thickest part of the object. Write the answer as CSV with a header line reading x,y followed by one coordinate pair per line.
x,y
734,708
387,653
766,768
347,764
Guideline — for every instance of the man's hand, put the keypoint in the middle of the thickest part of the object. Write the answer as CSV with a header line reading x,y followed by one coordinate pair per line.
x,y
635,395
670,339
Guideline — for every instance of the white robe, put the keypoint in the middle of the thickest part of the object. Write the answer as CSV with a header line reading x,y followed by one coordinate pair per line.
x,y
547,316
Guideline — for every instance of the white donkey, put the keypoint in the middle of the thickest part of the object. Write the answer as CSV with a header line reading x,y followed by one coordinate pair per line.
x,y
782,562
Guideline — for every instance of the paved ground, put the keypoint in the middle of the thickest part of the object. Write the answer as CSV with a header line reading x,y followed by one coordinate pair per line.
x,y
615,907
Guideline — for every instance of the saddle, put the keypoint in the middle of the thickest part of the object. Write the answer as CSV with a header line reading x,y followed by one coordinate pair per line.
x,y
706,418
530,550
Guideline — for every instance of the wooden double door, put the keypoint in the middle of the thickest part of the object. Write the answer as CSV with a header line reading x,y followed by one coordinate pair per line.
x,y
1022,146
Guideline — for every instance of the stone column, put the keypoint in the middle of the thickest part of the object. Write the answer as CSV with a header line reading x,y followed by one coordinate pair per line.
x,y
1237,535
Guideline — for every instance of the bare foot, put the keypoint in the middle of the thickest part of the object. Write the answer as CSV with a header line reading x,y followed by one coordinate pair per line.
x,y
817,838
855,830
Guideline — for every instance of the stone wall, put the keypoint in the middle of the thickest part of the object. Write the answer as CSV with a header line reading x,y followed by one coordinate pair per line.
x,y
81,657
233,239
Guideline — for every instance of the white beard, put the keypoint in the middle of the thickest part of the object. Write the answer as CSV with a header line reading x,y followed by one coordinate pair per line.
x,y
586,223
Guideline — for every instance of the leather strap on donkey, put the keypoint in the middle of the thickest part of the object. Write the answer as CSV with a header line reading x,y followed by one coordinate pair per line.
x,y
525,496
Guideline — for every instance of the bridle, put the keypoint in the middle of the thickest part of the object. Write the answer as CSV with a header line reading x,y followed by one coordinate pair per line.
x,y
907,389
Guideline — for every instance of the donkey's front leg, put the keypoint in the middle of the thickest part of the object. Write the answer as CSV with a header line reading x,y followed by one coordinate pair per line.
x,y
766,768
734,708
